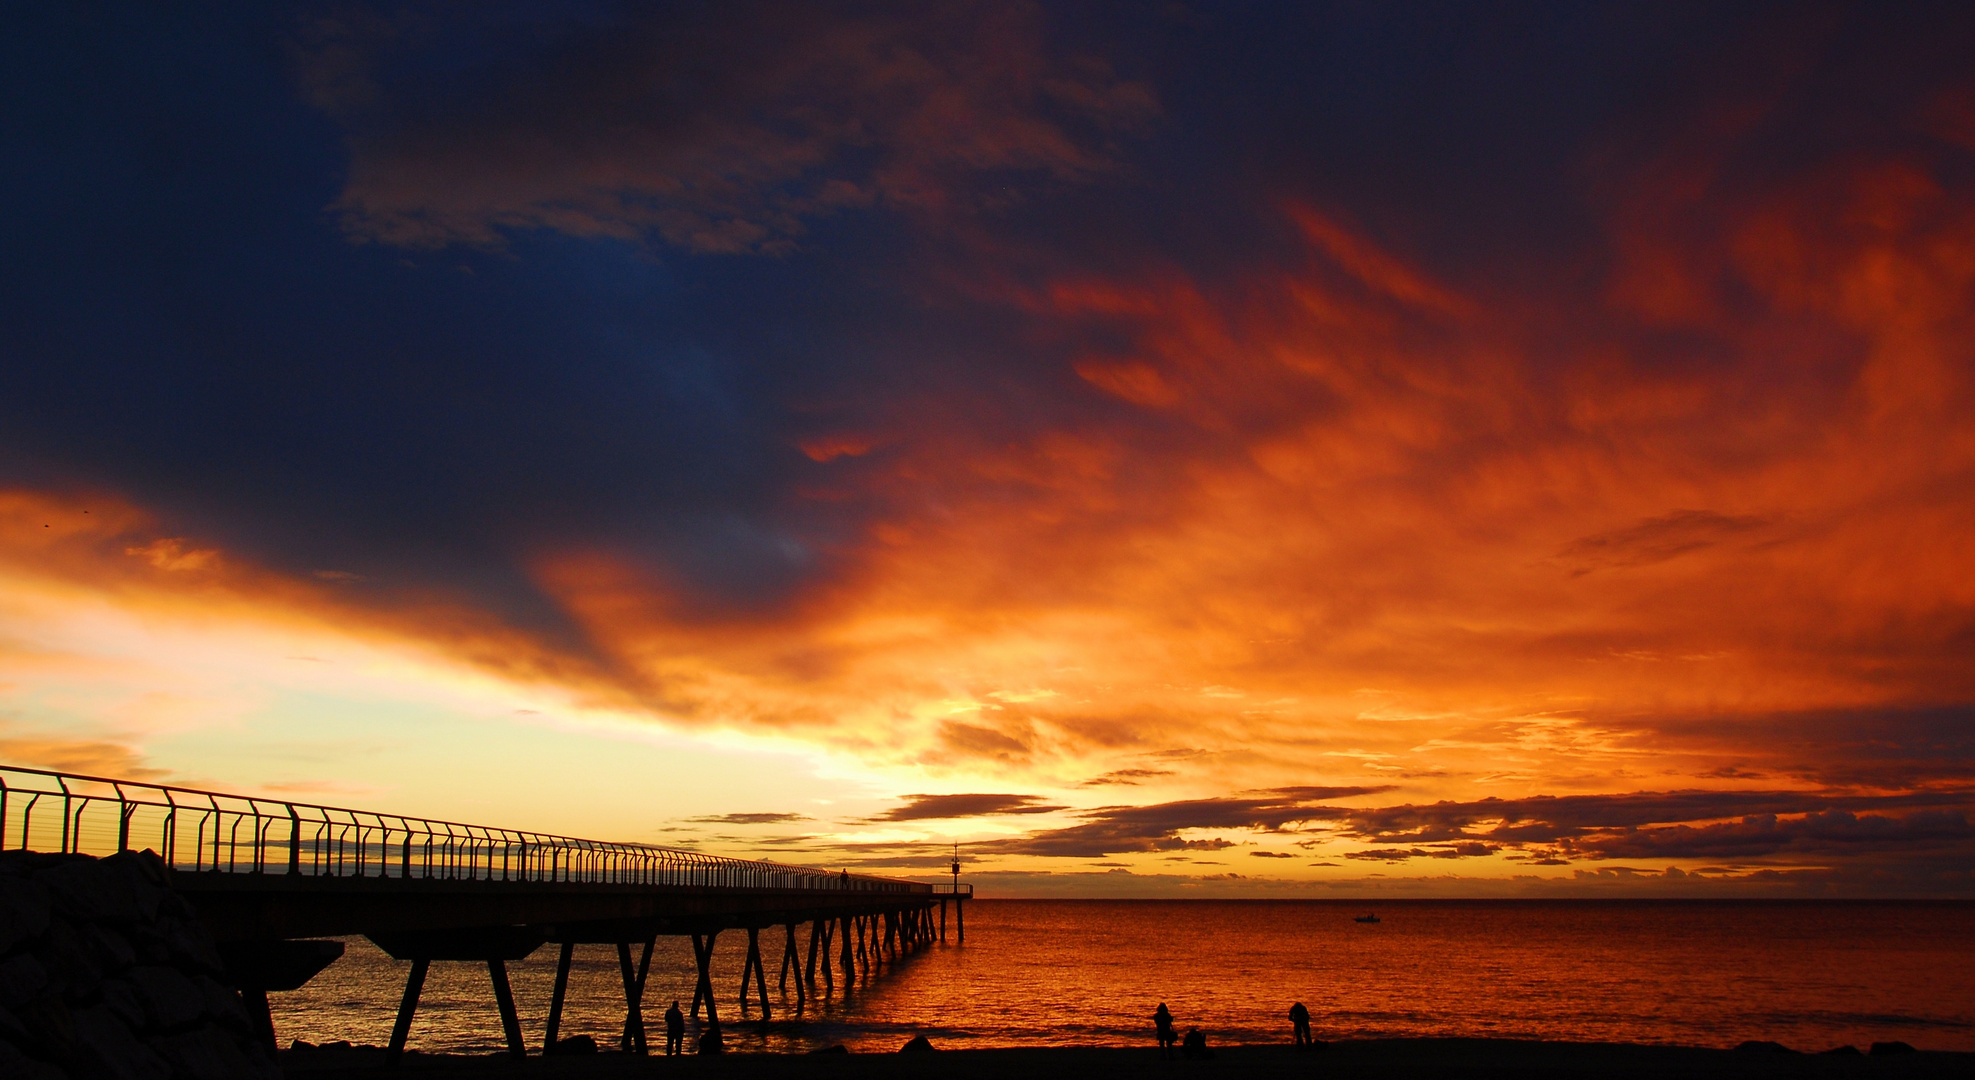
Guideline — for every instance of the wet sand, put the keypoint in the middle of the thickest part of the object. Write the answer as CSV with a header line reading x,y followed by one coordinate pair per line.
x,y
1393,1059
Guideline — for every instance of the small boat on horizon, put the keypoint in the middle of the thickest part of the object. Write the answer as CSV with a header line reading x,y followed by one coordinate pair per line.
x,y
1366,918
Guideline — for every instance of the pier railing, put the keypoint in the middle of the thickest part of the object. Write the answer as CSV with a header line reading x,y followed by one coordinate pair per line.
x,y
204,831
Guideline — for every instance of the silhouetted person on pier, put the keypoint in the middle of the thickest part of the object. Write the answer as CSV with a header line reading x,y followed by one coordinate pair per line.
x,y
846,879
710,1041
675,1030
1299,1018
1163,1022
1195,1045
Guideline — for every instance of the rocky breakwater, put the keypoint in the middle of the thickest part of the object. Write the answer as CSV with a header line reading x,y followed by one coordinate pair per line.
x,y
105,972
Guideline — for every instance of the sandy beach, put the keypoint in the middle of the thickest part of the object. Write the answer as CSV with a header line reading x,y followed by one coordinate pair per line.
x,y
1397,1059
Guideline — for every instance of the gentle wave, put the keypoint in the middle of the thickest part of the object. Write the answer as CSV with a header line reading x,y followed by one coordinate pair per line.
x,y
1036,973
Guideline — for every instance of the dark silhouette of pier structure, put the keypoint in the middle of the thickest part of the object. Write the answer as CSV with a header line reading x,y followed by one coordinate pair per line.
x,y
270,879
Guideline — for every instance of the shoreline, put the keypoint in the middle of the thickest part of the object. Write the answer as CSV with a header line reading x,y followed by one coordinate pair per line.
x,y
1379,1059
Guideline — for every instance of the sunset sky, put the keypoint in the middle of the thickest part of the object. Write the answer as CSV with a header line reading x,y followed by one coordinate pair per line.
x,y
1185,449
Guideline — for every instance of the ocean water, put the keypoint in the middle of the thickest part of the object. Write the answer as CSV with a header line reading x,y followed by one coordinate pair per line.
x,y
1810,975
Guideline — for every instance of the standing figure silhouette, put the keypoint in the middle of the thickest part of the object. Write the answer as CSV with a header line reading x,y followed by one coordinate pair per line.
x,y
1163,1022
675,1030
1299,1018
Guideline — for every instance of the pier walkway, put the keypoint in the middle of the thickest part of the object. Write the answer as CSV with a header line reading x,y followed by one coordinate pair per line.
x,y
271,878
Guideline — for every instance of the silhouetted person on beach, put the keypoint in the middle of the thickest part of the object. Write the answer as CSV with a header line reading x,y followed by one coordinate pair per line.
x,y
1195,1045
1299,1018
675,1030
710,1041
1163,1021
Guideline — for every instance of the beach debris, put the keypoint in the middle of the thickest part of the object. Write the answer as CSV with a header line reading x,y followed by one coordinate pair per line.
x,y
1879,1048
917,1044
575,1044
1763,1046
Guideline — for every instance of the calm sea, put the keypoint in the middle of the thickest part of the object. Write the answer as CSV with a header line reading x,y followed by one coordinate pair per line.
x,y
1808,975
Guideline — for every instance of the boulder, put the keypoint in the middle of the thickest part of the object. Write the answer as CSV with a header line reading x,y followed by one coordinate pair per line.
x,y
1763,1046
23,910
21,978
170,999
104,1047
15,1065
91,891
1880,1048
917,1044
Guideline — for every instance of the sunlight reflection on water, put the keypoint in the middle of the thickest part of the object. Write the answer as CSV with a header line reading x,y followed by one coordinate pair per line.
x,y
1033,973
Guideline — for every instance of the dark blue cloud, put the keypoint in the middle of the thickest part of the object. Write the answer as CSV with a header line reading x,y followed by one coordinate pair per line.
x,y
194,313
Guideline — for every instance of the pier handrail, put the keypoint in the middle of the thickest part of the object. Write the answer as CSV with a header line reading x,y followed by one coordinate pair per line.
x,y
210,831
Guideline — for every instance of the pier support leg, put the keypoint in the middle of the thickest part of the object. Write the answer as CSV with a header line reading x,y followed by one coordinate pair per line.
x,y
414,984
827,927
510,1020
760,973
633,1039
556,997
258,1013
849,957
809,971
791,961
942,922
756,969
960,920
703,957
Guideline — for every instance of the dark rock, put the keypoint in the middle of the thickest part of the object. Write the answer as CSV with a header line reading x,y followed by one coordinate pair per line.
x,y
48,1021
300,1045
339,1044
1842,1051
219,1001
21,978
144,874
148,942
71,970
1763,1046
15,1065
1879,1048
919,1043
191,946
23,911
833,1048
91,891
145,867
127,1002
210,1052
104,1047
108,947
575,1044
170,999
